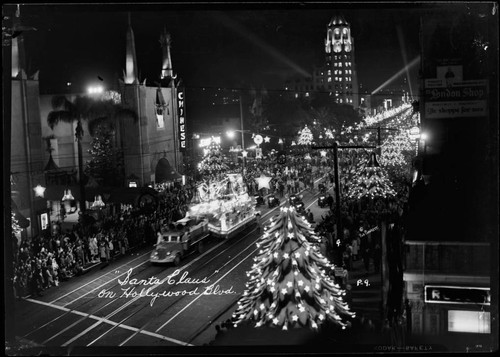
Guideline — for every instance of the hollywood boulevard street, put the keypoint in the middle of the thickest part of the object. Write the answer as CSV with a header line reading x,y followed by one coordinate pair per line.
x,y
132,302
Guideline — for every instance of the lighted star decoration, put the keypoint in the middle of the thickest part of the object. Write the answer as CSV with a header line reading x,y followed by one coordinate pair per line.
x,y
263,181
323,153
244,153
267,139
39,191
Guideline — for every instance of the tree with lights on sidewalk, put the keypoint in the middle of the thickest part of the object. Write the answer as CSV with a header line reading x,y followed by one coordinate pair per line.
x,y
374,192
213,163
305,136
396,155
289,285
102,165
370,182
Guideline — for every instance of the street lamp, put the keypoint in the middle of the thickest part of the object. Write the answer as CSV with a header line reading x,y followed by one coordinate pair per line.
x,y
231,134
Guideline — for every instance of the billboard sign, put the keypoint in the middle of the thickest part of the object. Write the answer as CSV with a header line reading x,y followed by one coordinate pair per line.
x,y
457,295
460,99
182,119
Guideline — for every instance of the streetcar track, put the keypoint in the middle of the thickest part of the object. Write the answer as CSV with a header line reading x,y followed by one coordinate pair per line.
x,y
90,282
181,268
181,298
121,308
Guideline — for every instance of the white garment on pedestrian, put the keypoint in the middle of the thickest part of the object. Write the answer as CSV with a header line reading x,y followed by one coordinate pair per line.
x,y
355,247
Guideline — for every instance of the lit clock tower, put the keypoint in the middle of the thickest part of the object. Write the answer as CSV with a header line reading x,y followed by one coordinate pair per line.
x,y
340,75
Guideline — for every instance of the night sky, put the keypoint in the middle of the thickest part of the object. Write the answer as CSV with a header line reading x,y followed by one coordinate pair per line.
x,y
213,46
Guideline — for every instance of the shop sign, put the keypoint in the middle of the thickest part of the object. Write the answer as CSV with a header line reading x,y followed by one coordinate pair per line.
x,y
457,295
182,119
455,100
44,221
258,153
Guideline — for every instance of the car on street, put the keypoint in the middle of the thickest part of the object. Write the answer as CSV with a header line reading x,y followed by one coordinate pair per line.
x,y
180,238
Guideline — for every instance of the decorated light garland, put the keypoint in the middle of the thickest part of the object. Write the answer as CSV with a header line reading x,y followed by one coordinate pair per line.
x,y
289,285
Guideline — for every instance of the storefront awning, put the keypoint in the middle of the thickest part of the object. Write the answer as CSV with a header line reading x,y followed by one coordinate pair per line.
x,y
125,195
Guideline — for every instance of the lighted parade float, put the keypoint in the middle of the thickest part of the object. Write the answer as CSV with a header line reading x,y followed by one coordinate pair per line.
x,y
226,204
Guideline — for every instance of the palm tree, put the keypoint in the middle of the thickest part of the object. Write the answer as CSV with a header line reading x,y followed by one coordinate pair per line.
x,y
106,114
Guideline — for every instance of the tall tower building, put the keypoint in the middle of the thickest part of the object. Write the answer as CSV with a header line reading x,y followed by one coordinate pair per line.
x,y
340,75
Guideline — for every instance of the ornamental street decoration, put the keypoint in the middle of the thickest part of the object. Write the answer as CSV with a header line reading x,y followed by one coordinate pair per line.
x,y
263,181
289,285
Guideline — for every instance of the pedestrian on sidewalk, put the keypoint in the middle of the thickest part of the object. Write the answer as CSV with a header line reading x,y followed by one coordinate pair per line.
x,y
377,257
102,251
366,259
259,223
355,248
310,216
329,200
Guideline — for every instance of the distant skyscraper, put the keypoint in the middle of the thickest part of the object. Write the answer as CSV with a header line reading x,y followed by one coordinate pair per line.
x,y
340,68
337,75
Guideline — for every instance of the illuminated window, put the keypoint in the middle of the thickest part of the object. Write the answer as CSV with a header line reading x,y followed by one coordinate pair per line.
x,y
335,64
346,79
340,100
340,64
469,321
329,72
307,94
329,79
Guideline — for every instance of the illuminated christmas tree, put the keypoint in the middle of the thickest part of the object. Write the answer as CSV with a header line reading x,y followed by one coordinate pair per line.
x,y
102,165
289,286
305,136
394,149
370,182
213,162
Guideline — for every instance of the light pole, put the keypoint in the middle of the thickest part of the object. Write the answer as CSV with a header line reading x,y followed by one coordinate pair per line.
x,y
230,134
242,134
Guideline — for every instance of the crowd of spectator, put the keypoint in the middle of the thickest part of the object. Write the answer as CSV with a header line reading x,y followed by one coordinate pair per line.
x,y
56,256
53,257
